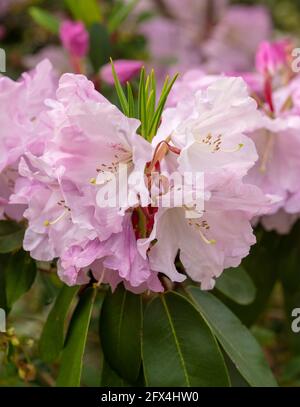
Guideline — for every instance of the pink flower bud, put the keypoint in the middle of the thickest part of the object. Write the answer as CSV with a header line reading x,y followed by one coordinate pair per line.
x,y
75,38
126,69
270,56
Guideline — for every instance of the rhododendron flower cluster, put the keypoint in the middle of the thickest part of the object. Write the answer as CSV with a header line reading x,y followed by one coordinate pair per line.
x,y
71,150
277,136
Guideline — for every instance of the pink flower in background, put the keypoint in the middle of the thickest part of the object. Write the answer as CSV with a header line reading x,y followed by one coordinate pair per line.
x,y
277,136
208,35
271,56
75,38
125,69
230,47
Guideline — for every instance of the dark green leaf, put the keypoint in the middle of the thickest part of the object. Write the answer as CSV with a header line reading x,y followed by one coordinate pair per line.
x,y
20,274
110,378
120,332
236,284
45,19
3,263
11,236
235,338
100,46
72,354
178,347
53,335
262,266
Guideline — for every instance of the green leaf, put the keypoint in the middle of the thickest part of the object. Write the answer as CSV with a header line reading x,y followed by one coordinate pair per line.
x,y
120,332
121,95
236,284
11,236
153,127
20,274
87,11
235,338
45,19
53,335
72,354
120,15
262,265
3,263
110,378
100,46
130,98
178,347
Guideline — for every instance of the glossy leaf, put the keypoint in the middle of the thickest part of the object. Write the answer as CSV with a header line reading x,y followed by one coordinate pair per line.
x,y
53,335
11,236
236,284
235,338
72,354
178,347
120,332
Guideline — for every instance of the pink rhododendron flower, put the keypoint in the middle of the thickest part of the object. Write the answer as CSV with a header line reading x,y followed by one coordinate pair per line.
x,y
209,129
277,136
22,124
125,69
75,38
136,240
64,187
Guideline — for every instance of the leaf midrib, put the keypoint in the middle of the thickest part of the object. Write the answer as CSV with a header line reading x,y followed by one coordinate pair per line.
x,y
176,341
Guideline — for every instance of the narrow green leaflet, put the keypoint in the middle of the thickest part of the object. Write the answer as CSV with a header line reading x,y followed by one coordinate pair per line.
x,y
87,11
145,109
45,19
120,332
235,338
20,273
178,347
53,335
11,236
237,285
72,354
121,95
